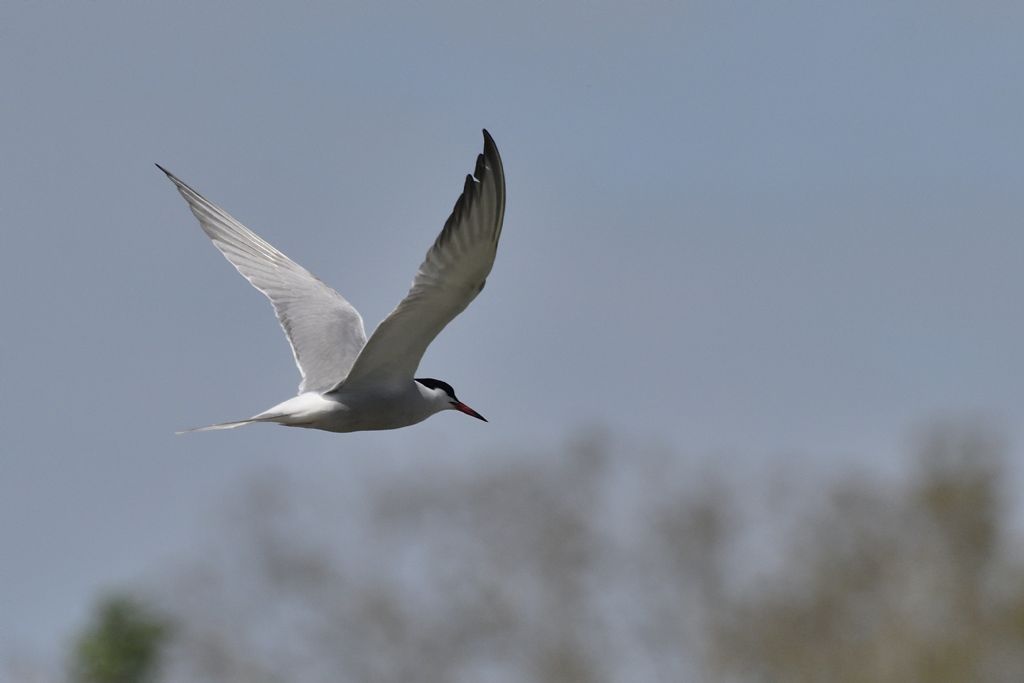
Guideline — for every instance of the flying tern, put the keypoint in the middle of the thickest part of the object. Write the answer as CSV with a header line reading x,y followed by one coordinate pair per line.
x,y
351,383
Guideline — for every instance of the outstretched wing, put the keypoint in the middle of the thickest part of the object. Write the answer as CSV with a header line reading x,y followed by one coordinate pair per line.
x,y
453,273
325,331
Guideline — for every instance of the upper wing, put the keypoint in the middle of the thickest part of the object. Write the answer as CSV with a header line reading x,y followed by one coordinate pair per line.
x,y
452,275
324,330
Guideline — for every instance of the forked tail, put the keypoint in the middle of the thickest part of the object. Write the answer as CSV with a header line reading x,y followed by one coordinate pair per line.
x,y
231,425
219,425
299,411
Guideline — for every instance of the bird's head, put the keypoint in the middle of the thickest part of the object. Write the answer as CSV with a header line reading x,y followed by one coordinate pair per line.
x,y
444,397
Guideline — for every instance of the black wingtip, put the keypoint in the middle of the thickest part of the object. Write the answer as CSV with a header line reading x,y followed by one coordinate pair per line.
x,y
167,173
491,150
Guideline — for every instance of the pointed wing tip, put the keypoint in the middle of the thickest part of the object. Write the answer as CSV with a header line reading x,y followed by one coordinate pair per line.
x,y
186,191
489,146
173,178
491,152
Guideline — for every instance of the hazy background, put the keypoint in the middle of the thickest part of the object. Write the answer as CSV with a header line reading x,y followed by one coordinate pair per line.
x,y
737,235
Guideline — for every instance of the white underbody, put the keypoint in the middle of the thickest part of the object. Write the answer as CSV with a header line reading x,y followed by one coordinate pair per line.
x,y
383,407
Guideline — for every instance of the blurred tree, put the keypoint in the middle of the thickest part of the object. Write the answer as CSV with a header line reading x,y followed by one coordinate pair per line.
x,y
597,563
122,643
908,583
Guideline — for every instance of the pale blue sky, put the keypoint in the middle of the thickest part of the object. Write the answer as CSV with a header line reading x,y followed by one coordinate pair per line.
x,y
732,228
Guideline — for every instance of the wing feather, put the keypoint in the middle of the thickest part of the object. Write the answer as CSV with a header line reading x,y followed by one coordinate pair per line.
x,y
452,274
324,330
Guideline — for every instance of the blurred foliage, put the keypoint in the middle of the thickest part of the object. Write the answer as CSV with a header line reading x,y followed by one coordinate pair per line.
x,y
121,645
916,583
598,563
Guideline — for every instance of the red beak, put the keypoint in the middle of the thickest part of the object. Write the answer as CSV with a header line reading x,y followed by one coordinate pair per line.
x,y
460,406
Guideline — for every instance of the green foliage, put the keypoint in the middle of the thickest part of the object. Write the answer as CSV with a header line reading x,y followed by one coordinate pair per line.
x,y
122,644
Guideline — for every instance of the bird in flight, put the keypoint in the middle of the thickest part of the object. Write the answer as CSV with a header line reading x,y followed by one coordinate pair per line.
x,y
351,383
